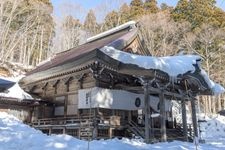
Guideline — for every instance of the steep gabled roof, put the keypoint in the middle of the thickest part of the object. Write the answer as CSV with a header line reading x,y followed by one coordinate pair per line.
x,y
118,37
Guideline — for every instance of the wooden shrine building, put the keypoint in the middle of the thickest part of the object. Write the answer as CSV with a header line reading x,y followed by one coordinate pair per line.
x,y
90,95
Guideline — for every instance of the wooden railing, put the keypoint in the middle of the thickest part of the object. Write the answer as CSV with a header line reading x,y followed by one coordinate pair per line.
x,y
135,128
172,134
63,121
82,120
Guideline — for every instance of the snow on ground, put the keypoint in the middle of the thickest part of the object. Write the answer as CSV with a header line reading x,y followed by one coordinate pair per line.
x,y
214,127
16,135
15,91
177,112
173,65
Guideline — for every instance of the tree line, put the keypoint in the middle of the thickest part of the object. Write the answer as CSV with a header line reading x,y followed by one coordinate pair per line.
x,y
29,34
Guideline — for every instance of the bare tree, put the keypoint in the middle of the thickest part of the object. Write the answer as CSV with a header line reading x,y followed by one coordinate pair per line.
x,y
160,33
67,34
22,31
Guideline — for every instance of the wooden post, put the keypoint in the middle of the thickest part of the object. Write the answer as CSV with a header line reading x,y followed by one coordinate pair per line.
x,y
146,111
194,118
30,114
95,124
65,105
64,130
184,119
162,117
110,132
129,115
50,131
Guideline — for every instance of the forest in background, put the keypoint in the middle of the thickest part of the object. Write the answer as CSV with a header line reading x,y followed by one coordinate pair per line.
x,y
30,34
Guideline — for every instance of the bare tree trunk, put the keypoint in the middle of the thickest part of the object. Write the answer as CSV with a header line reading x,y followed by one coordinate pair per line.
x,y
219,102
41,45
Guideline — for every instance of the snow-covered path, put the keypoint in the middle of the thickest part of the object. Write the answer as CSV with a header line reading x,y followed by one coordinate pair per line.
x,y
15,135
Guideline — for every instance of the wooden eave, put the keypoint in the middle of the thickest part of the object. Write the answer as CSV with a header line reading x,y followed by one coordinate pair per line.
x,y
14,103
87,60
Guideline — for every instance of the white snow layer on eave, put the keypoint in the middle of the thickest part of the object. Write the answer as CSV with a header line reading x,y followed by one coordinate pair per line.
x,y
15,91
111,31
173,65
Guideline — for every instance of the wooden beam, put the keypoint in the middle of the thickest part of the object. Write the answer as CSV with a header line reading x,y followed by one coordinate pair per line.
x,y
184,119
153,90
67,83
162,117
147,111
80,80
194,118
55,85
44,88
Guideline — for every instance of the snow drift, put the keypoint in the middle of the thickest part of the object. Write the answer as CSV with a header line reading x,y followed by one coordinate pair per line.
x,y
16,135
213,127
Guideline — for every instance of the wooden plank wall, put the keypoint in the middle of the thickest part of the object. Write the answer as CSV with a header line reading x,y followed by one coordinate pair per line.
x,y
50,89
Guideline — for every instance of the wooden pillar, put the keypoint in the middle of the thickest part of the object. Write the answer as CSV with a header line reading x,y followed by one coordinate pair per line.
x,y
64,130
184,119
110,132
194,118
95,123
162,117
129,115
50,131
65,105
30,114
147,112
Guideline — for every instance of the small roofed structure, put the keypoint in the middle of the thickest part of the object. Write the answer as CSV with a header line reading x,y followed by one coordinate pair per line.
x,y
5,84
111,87
13,99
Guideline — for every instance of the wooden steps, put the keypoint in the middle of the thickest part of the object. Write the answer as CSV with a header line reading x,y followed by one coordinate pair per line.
x,y
172,134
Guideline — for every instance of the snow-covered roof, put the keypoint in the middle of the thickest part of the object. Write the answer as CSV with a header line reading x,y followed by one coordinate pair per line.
x,y
5,84
15,91
172,65
111,31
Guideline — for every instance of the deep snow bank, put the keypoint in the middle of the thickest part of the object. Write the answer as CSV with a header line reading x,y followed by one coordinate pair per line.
x,y
214,127
14,135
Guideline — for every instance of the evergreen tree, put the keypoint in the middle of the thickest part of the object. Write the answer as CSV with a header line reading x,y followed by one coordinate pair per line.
x,y
137,9
164,6
90,23
124,13
181,11
198,12
219,16
151,6
112,19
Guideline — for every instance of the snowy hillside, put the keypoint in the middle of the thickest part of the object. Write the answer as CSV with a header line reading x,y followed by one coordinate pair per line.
x,y
14,135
